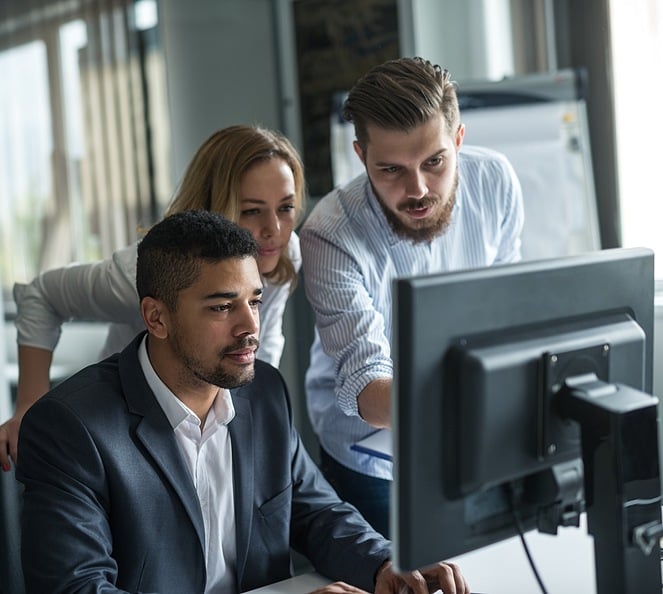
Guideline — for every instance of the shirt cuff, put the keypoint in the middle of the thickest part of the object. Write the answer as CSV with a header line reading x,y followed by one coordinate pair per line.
x,y
349,390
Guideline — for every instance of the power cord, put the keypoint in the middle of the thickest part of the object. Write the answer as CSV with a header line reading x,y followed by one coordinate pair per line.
x,y
514,489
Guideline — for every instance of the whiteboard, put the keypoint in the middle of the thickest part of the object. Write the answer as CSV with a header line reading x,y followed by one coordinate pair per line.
x,y
540,123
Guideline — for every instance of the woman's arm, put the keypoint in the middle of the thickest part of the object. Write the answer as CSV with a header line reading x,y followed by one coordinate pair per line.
x,y
101,291
32,385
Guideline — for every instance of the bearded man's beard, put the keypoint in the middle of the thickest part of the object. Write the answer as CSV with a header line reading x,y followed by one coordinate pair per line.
x,y
427,229
217,375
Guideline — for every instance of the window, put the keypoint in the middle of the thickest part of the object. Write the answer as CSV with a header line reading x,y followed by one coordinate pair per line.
x,y
80,168
26,147
637,47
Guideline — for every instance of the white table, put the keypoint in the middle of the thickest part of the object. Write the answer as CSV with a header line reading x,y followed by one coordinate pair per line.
x,y
301,584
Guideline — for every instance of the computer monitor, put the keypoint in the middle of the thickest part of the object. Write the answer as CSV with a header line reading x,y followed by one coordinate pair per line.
x,y
522,392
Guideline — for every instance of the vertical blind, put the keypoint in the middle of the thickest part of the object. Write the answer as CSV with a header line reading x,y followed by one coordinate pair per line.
x,y
96,167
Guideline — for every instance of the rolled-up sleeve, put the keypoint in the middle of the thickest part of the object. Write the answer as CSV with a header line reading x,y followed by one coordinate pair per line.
x,y
352,330
102,291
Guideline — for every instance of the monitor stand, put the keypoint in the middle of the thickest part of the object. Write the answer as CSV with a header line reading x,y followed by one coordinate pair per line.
x,y
619,435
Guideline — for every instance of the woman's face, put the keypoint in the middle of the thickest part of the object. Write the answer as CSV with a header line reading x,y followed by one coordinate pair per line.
x,y
267,208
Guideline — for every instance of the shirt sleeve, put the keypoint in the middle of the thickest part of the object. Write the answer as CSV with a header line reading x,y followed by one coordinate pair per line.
x,y
102,291
350,326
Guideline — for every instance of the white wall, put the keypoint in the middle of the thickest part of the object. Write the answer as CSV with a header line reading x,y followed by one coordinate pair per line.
x,y
221,67
438,31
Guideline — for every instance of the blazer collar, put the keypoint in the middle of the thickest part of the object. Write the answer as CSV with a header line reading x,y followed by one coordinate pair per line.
x,y
155,433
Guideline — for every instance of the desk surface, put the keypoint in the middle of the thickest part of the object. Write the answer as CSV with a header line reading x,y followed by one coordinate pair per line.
x,y
301,584
565,561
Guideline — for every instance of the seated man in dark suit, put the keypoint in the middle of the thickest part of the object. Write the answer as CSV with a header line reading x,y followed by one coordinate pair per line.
x,y
174,466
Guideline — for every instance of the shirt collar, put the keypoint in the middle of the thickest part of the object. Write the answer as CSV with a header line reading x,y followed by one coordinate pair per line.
x,y
175,410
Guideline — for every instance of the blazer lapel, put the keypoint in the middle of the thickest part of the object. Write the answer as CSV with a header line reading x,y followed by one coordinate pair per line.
x,y
168,457
155,433
241,435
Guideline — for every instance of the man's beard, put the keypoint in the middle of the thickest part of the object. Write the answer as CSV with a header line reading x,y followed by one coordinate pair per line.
x,y
430,227
218,376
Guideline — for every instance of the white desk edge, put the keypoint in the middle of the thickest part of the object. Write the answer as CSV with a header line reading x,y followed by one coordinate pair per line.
x,y
300,584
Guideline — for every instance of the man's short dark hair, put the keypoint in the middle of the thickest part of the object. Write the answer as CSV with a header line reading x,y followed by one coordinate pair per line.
x,y
172,251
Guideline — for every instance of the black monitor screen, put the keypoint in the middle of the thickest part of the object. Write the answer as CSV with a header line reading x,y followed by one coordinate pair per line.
x,y
479,358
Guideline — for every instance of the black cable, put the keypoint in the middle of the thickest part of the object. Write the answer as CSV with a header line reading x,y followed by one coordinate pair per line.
x,y
521,533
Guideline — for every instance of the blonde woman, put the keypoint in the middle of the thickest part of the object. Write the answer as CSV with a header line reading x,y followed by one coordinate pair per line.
x,y
252,176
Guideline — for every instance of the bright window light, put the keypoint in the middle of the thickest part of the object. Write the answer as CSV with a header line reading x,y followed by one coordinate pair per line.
x,y
637,47
146,14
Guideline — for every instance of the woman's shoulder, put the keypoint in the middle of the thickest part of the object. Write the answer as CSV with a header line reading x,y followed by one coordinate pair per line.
x,y
294,251
125,258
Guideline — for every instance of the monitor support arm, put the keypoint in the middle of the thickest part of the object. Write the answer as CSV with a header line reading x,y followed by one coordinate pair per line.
x,y
619,434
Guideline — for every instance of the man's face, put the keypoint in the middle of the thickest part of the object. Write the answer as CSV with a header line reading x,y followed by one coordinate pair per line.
x,y
214,331
414,176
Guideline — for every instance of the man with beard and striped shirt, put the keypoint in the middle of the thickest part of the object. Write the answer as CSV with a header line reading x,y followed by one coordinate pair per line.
x,y
425,204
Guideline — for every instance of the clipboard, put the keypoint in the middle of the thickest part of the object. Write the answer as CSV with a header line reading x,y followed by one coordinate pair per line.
x,y
377,444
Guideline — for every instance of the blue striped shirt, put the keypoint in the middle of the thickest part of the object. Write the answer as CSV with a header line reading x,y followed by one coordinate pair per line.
x,y
350,257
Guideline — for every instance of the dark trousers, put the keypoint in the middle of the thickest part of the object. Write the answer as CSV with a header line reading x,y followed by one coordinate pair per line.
x,y
368,494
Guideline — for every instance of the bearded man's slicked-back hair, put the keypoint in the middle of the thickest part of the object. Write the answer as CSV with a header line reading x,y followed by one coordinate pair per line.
x,y
401,95
171,253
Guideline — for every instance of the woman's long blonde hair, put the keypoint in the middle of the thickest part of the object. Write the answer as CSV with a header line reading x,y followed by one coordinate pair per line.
x,y
212,178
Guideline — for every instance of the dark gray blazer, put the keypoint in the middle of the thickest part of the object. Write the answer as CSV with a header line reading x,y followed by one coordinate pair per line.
x,y
109,504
